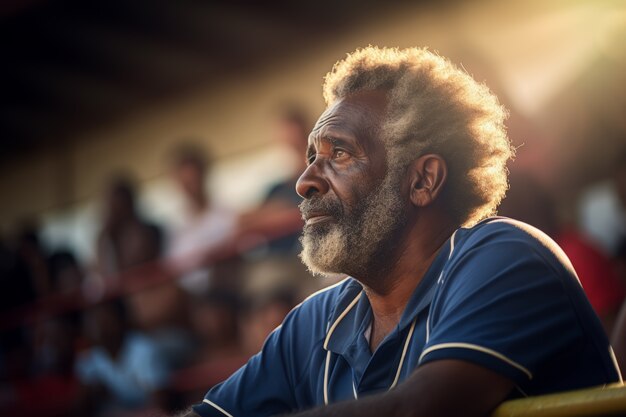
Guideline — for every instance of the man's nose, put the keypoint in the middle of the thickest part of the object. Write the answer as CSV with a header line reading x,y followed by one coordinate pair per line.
x,y
311,182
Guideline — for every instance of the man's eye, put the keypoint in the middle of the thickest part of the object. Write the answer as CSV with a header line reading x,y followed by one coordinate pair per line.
x,y
310,159
339,153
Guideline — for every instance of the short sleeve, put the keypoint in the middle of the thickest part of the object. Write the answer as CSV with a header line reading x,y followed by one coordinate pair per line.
x,y
262,387
502,305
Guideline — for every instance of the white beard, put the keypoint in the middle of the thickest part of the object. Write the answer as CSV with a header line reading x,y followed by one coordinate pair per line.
x,y
350,243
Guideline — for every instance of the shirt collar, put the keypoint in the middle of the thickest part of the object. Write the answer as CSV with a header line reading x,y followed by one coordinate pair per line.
x,y
352,314
423,294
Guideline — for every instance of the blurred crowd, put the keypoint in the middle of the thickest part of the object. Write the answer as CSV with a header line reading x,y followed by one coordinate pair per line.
x,y
160,316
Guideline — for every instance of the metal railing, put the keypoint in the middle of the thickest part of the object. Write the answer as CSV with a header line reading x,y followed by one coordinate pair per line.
x,y
143,277
591,402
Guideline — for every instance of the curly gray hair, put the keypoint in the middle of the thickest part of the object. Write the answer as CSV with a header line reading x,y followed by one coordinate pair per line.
x,y
434,107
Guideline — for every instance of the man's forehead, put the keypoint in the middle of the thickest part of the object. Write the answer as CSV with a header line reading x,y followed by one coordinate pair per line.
x,y
333,111
352,111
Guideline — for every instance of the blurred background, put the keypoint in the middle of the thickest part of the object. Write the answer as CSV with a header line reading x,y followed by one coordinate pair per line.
x,y
149,152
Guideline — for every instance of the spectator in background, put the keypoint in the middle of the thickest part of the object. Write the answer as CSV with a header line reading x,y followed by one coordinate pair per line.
x,y
603,209
123,369
618,337
37,373
125,240
527,201
614,219
16,285
281,201
263,313
291,131
33,255
31,258
128,241
36,361
24,274
66,275
214,320
272,287
204,225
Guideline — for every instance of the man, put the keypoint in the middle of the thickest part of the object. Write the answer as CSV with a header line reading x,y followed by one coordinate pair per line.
x,y
204,225
447,312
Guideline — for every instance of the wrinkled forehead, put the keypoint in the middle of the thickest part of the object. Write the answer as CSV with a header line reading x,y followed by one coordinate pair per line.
x,y
358,113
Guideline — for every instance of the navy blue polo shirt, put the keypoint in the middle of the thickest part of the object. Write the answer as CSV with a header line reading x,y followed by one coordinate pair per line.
x,y
501,295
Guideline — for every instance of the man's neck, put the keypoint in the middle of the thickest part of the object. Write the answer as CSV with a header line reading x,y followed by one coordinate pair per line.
x,y
389,300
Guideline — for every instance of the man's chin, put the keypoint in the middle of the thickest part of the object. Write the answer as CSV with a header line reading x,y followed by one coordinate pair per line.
x,y
311,259
322,253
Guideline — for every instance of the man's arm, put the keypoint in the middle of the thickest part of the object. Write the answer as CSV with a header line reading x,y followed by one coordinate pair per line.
x,y
436,389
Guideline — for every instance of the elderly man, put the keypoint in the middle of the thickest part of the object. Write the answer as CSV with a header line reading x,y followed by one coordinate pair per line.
x,y
446,311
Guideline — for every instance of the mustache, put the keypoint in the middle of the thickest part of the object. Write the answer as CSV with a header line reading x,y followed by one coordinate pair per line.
x,y
320,205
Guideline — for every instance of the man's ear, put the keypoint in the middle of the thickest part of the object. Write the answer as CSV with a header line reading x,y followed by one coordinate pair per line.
x,y
428,175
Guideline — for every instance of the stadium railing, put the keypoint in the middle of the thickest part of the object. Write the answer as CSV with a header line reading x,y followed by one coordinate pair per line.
x,y
609,400
149,275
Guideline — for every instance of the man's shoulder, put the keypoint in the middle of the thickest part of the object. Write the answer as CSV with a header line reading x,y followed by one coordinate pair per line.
x,y
501,244
504,228
503,233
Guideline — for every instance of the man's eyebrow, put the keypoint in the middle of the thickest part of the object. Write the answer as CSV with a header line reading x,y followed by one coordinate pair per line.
x,y
333,140
337,141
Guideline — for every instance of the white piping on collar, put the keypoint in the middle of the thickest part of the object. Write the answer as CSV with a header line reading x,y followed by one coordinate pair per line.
x,y
452,243
397,377
341,316
439,281
326,377
217,407
449,255
404,350
330,332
